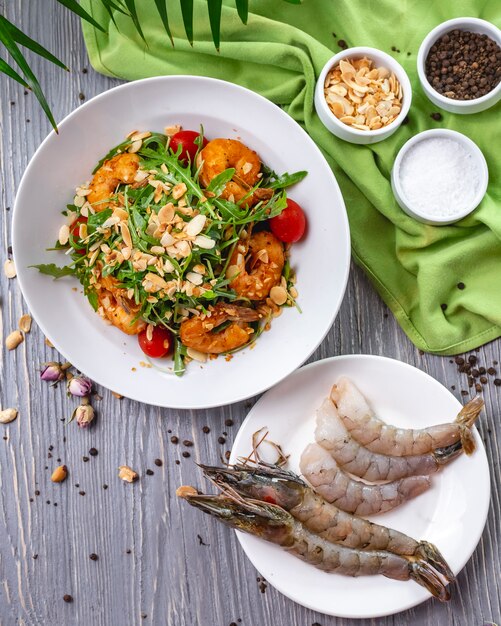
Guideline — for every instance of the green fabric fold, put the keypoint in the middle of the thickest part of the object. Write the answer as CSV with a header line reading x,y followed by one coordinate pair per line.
x,y
414,267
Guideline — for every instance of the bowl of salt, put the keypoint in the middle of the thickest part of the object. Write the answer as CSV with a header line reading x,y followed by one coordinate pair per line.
x,y
439,176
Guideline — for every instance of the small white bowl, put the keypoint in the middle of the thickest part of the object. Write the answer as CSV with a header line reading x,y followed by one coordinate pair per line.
x,y
422,216
473,25
343,131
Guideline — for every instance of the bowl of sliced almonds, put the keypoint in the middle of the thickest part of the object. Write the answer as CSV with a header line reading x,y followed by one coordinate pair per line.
x,y
362,95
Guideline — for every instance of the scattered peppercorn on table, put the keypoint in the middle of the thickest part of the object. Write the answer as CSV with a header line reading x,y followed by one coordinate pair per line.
x,y
91,529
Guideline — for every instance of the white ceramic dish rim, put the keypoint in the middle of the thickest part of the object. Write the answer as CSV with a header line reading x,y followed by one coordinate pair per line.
x,y
464,140
481,514
394,66
443,28
346,237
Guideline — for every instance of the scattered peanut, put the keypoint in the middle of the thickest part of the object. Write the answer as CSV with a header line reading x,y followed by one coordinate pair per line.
x,y
116,395
13,340
25,323
48,342
186,490
8,415
128,474
59,474
9,269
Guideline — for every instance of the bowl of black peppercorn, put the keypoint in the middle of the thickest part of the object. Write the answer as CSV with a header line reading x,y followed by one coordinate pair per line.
x,y
459,65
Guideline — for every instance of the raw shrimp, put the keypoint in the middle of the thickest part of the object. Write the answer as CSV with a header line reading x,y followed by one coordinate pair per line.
x,y
273,524
284,488
120,169
222,154
332,435
256,265
377,436
200,333
355,496
120,310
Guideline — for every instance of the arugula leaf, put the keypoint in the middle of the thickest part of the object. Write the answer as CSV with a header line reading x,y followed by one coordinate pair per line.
x,y
218,183
286,180
97,219
51,269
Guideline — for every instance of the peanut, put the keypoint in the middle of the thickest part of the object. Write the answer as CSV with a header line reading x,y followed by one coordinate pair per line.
x,y
13,340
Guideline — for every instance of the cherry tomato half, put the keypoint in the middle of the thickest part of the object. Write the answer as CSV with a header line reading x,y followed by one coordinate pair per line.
x,y
160,344
75,232
186,139
290,225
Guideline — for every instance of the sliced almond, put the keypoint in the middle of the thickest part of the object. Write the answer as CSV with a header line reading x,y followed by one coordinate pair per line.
x,y
124,229
139,136
196,355
179,190
64,234
166,214
193,277
204,242
172,130
135,146
167,239
368,96
196,225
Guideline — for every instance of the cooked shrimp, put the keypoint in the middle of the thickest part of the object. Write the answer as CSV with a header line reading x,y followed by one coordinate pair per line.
x,y
120,310
277,486
222,154
256,265
355,496
273,524
201,333
377,436
120,169
332,435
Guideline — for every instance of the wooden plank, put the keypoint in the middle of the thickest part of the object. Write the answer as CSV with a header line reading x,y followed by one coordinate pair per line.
x,y
151,561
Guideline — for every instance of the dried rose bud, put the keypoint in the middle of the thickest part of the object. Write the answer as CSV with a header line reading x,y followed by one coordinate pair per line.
x,y
84,415
79,386
52,372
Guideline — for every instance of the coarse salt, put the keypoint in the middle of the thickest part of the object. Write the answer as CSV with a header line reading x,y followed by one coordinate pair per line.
x,y
439,177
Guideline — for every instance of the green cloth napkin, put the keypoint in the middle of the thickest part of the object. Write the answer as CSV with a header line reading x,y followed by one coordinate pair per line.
x,y
416,268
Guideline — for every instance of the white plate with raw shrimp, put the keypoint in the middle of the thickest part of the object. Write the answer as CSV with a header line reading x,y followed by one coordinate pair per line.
x,y
112,358
451,514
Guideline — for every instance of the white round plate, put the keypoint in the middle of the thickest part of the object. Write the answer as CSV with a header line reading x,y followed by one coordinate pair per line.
x,y
451,514
104,353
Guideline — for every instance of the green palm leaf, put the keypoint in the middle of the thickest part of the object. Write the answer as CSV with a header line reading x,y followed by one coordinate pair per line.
x,y
187,12
13,49
131,6
75,7
162,9
243,10
110,5
5,68
11,36
214,7
23,40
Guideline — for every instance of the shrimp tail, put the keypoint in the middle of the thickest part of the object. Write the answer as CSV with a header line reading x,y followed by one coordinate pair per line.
x,y
447,454
466,418
427,577
432,555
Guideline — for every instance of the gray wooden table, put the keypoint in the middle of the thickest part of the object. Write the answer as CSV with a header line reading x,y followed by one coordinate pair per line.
x,y
153,565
